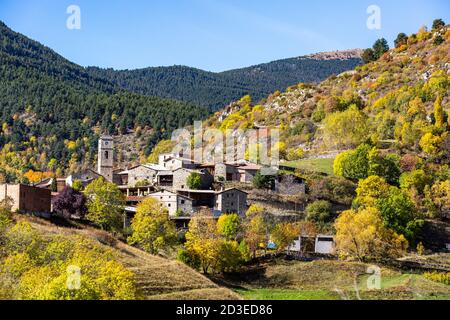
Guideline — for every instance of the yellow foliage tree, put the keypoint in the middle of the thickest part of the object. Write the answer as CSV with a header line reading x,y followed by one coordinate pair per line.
x,y
203,242
362,235
152,228
438,113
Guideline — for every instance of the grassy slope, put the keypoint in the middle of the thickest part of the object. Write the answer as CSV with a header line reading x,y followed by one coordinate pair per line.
x,y
325,280
156,277
316,165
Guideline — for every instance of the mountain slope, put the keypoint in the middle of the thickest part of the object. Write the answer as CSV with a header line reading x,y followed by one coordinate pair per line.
x,y
216,90
53,109
395,96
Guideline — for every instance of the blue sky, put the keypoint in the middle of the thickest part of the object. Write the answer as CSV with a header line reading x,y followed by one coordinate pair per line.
x,y
214,35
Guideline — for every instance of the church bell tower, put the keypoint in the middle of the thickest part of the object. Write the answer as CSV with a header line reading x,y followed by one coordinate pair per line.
x,y
106,157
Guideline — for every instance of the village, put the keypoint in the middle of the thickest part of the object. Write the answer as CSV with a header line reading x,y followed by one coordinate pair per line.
x,y
167,182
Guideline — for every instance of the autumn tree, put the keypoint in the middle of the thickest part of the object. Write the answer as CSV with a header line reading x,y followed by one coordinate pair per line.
x,y
438,199
431,144
229,226
256,234
152,228
416,179
345,129
5,216
203,242
395,205
439,113
78,186
369,190
284,234
105,204
230,257
362,235
400,214
353,164
254,210
69,203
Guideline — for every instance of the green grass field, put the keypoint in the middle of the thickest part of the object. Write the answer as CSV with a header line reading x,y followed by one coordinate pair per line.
x,y
334,280
315,165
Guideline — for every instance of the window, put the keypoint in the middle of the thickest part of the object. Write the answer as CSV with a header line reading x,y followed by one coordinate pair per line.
x,y
169,205
106,155
183,201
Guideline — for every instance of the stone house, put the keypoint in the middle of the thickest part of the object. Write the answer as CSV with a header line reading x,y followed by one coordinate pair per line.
x,y
120,177
231,201
145,172
219,202
84,176
174,203
181,175
27,199
226,172
47,184
248,172
171,162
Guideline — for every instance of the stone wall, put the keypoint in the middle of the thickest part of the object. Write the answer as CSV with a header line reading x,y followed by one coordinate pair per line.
x,y
27,199
180,177
139,174
232,201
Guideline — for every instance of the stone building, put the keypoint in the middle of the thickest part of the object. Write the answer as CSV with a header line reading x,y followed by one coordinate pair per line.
x,y
27,199
248,172
171,162
84,176
146,172
48,183
106,157
176,204
218,202
226,172
231,201
181,175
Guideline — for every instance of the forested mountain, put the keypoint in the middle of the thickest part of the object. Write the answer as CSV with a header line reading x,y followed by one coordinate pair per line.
x,y
215,90
53,109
